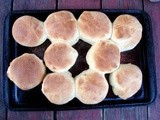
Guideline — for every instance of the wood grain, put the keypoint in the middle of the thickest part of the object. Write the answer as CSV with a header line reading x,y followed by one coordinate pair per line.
x,y
30,115
80,115
153,9
130,113
78,4
5,7
34,4
122,4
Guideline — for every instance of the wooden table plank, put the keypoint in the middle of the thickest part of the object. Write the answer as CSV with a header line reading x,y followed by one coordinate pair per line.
x,y
122,4
5,7
30,115
34,4
132,113
80,115
153,9
78,4
128,113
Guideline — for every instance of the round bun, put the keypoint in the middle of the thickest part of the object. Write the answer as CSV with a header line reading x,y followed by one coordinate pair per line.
x,y
93,26
58,87
103,56
91,87
28,31
26,71
62,26
126,80
127,31
60,56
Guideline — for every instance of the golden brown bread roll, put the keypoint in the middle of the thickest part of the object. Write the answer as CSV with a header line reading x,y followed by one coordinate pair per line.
x,y
58,87
127,31
103,56
26,71
62,26
91,87
28,31
126,80
93,26
60,56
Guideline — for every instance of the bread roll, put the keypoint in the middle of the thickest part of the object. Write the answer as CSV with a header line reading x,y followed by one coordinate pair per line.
x,y
26,71
62,26
103,56
127,31
58,87
28,31
60,56
126,80
93,26
91,87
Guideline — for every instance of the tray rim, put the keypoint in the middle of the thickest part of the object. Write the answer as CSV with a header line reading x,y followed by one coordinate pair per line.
x,y
153,84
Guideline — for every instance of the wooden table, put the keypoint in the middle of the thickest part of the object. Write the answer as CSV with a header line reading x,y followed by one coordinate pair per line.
x,y
150,112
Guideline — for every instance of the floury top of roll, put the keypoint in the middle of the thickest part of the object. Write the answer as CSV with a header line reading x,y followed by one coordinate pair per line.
x,y
94,26
62,26
127,32
29,31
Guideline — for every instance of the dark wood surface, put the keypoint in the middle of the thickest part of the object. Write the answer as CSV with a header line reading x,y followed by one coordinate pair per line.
x,y
150,112
154,11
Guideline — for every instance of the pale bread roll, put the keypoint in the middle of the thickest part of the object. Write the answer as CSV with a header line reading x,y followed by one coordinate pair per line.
x,y
93,26
29,31
26,71
62,26
126,80
91,87
58,87
127,32
103,56
60,56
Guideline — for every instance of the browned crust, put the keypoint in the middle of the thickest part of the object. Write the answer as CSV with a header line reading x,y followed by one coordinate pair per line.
x,y
91,87
127,31
126,81
26,71
28,31
58,87
60,56
104,56
94,25
62,26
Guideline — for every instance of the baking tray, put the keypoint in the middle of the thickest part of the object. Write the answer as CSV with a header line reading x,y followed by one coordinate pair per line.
x,y
142,55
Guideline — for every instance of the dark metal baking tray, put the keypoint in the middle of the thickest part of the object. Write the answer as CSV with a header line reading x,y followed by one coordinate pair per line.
x,y
142,55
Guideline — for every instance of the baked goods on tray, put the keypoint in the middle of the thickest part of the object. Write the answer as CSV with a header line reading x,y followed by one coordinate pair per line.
x,y
107,42
91,87
127,31
26,71
126,80
62,26
94,26
103,56
59,87
29,31
60,56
